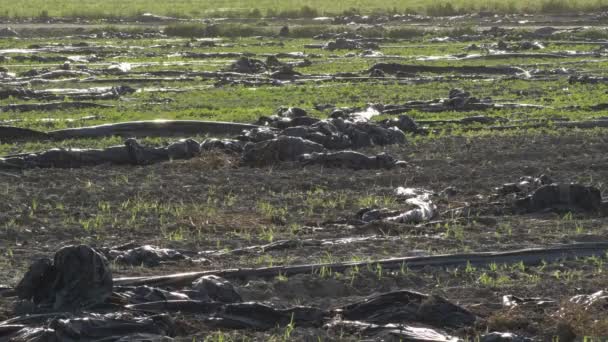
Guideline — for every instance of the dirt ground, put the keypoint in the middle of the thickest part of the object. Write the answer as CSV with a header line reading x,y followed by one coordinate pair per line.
x,y
220,211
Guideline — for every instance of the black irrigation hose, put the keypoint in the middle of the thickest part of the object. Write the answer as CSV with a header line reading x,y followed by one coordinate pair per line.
x,y
530,257
154,128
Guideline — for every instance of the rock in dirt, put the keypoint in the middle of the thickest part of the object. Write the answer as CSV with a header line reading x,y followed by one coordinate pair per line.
x,y
408,307
351,160
280,149
215,288
78,277
146,255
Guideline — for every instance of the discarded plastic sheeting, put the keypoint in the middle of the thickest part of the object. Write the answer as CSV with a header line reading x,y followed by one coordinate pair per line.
x,y
257,316
565,197
425,210
146,255
215,288
391,332
29,107
132,153
96,327
78,277
408,306
393,68
99,93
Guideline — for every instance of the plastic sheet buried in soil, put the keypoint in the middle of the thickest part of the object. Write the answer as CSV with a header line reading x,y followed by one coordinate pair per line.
x,y
260,146
390,332
100,93
89,286
158,128
408,306
402,313
96,327
457,100
534,194
351,160
146,255
393,68
132,153
78,277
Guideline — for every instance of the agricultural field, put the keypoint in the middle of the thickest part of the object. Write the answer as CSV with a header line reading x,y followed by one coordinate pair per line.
x,y
365,177
112,9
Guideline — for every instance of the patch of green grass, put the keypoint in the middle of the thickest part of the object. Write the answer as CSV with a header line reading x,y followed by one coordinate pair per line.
x,y
284,9
202,101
